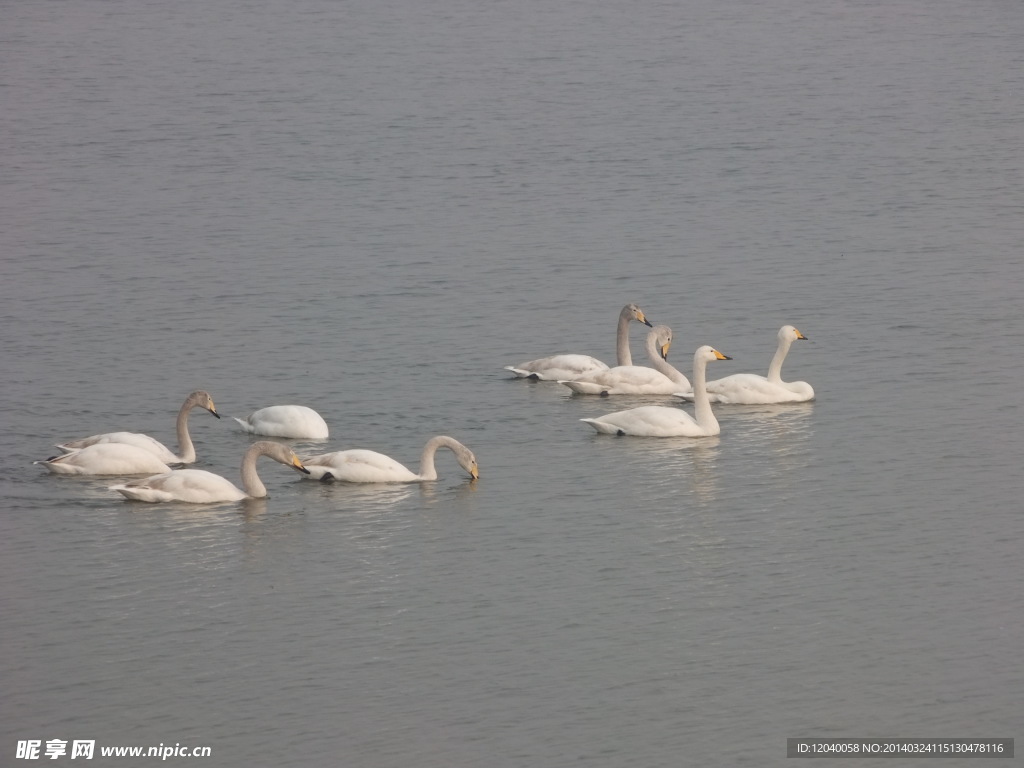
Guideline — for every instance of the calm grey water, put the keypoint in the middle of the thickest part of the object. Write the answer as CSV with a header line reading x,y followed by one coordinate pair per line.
x,y
370,208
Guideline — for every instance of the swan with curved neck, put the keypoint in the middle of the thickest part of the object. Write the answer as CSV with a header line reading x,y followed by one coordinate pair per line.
x,y
197,486
572,366
362,466
661,379
294,421
187,451
752,389
662,421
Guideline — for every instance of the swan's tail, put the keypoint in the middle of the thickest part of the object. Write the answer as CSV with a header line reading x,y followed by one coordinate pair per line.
x,y
585,387
522,373
602,428
245,424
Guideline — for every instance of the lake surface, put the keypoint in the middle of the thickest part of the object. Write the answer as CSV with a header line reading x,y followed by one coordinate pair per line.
x,y
371,207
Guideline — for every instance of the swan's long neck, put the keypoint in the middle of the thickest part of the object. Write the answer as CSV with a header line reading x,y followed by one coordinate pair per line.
x,y
186,451
251,483
427,470
775,368
701,403
662,365
622,352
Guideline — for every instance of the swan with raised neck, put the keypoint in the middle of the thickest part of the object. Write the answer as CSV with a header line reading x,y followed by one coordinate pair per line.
x,y
663,421
186,450
661,378
570,366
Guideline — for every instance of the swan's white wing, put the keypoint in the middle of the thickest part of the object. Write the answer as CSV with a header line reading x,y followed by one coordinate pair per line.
x,y
624,380
105,459
358,466
137,439
196,486
751,389
558,367
648,421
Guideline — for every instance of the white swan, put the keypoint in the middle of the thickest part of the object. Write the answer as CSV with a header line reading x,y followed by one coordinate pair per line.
x,y
662,421
197,486
573,366
662,379
362,466
198,399
296,421
751,389
105,459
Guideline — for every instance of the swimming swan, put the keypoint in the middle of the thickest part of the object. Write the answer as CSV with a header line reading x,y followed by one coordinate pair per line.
x,y
105,459
362,466
573,366
198,399
197,486
295,421
662,379
662,421
751,389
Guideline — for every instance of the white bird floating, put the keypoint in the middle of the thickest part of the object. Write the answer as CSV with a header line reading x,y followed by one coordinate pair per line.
x,y
662,421
661,379
197,399
197,486
363,466
294,421
752,389
573,366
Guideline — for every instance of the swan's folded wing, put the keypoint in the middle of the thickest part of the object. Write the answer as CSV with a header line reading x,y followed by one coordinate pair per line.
x,y
558,367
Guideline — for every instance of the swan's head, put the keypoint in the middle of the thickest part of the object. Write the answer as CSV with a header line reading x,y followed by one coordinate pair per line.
x,y
280,453
468,462
708,354
661,338
633,312
201,399
789,333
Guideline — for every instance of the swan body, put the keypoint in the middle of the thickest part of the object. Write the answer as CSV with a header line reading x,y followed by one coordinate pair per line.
x,y
559,367
295,421
662,421
105,459
198,399
662,379
197,486
362,466
752,389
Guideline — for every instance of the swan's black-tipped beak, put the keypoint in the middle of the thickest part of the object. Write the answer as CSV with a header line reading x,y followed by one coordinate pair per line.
x,y
297,464
213,412
800,336
646,322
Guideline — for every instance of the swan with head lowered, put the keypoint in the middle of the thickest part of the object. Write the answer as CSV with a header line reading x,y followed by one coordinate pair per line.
x,y
187,451
661,379
295,421
752,389
573,366
662,421
362,466
197,486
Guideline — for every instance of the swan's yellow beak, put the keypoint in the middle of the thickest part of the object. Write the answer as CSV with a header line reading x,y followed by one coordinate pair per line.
x,y
213,409
643,318
664,350
474,472
800,335
720,356
297,463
